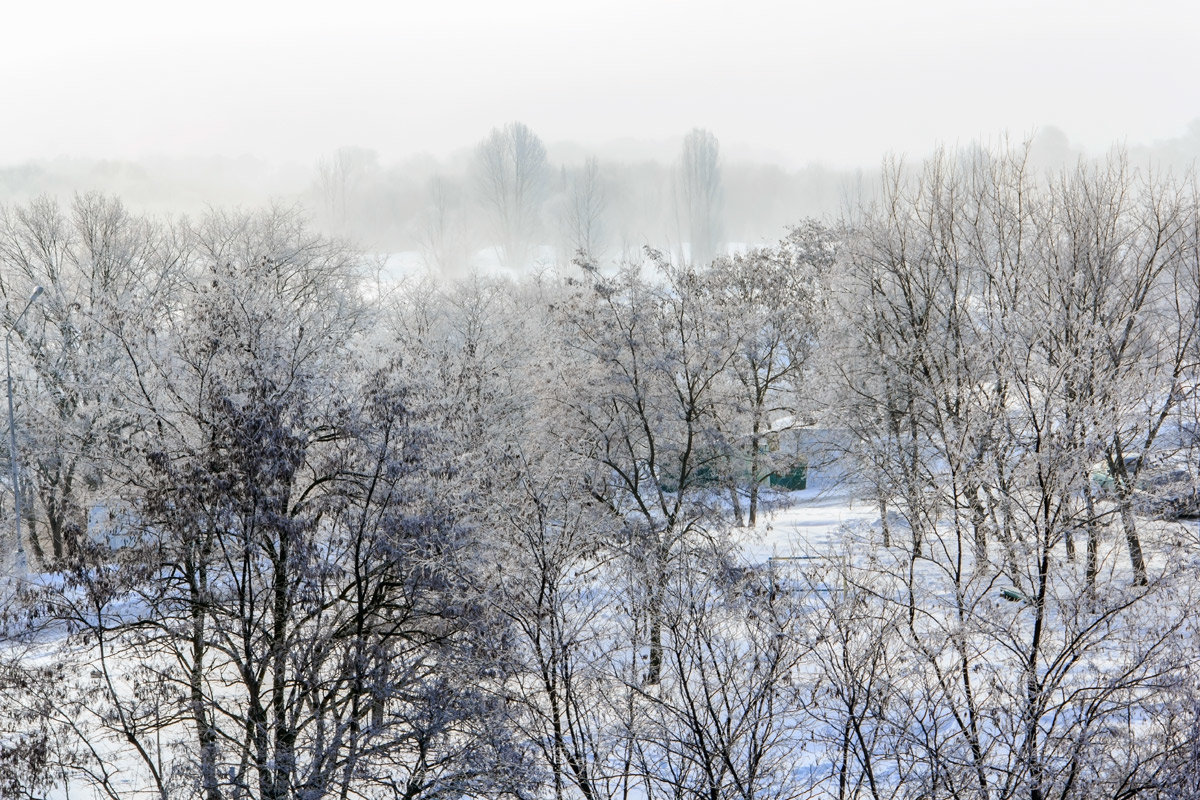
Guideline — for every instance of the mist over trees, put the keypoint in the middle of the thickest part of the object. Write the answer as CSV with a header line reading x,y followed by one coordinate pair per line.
x,y
700,196
511,170
401,206
584,219
466,211
296,530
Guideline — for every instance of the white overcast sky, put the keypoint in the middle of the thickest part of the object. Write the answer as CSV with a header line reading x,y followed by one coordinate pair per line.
x,y
837,82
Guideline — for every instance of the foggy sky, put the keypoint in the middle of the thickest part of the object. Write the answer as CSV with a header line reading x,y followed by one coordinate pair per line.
x,y
836,82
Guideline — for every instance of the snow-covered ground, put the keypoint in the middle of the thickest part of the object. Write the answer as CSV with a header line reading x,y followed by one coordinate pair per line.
x,y
809,522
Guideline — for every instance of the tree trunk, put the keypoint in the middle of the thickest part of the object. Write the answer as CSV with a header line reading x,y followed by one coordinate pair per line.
x,y
1091,566
206,737
1134,541
755,466
978,525
654,668
883,521
284,755
1069,532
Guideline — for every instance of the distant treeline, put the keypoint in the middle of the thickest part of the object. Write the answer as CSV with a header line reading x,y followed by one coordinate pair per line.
x,y
630,194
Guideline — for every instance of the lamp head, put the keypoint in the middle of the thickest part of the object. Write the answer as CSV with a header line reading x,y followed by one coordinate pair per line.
x,y
36,293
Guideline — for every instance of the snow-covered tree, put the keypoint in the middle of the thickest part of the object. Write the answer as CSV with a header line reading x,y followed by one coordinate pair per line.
x,y
770,299
291,609
699,196
511,171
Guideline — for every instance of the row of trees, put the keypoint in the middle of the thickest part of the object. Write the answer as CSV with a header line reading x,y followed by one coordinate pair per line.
x,y
288,530
487,538
1018,360
512,201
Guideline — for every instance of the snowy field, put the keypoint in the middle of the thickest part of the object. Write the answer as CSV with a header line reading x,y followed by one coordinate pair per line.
x,y
810,523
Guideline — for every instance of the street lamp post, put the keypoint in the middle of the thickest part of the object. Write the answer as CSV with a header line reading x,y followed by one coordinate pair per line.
x,y
12,430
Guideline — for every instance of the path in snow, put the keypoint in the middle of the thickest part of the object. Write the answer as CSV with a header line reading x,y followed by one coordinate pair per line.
x,y
809,525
